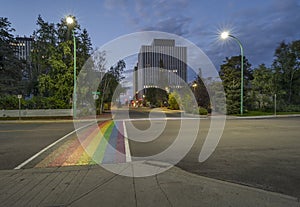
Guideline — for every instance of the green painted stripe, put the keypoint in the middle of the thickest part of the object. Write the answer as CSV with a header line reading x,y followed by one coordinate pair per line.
x,y
99,153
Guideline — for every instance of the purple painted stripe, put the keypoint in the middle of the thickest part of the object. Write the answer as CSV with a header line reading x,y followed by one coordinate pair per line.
x,y
120,156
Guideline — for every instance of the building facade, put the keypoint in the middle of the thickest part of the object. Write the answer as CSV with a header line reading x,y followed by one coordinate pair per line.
x,y
160,65
23,48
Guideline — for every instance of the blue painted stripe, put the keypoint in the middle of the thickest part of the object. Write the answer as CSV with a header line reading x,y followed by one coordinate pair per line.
x,y
100,151
110,152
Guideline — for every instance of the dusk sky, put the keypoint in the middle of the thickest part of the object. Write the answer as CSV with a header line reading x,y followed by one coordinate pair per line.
x,y
260,25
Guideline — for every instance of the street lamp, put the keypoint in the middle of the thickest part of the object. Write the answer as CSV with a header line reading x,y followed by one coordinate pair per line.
x,y
194,86
225,35
70,21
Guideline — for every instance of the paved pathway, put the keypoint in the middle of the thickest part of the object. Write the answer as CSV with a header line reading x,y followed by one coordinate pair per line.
x,y
94,186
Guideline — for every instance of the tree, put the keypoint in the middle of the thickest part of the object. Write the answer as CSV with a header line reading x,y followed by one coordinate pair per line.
x,y
262,88
110,82
156,96
200,91
217,96
54,66
295,96
230,74
173,101
286,65
10,66
44,46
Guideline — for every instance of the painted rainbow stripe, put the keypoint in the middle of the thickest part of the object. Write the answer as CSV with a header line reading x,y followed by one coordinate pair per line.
x,y
97,144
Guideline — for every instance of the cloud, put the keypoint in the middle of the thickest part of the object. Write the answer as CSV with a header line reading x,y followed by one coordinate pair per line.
x,y
113,4
161,15
278,22
178,25
261,28
260,25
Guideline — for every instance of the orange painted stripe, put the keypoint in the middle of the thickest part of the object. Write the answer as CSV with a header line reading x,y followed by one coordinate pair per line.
x,y
51,157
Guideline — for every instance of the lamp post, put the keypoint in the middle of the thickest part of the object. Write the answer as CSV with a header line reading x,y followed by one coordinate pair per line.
x,y
225,35
70,21
194,87
19,97
194,90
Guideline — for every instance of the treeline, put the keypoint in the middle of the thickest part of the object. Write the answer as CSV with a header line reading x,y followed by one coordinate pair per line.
x,y
262,85
46,80
48,75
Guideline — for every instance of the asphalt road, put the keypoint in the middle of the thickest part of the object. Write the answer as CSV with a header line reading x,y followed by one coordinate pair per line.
x,y
262,153
20,141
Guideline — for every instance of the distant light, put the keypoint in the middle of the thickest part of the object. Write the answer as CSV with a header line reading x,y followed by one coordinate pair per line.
x,y
69,20
194,85
224,35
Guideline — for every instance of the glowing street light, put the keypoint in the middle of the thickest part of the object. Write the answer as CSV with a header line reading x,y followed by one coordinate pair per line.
x,y
225,35
194,86
70,21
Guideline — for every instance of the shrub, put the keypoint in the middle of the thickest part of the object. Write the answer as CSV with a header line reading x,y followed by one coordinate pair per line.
x,y
9,102
203,111
173,98
106,106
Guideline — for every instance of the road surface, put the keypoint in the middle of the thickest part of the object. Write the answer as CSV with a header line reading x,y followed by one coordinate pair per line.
x,y
262,153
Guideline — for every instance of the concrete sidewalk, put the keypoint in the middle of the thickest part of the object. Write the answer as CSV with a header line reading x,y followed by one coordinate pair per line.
x,y
94,186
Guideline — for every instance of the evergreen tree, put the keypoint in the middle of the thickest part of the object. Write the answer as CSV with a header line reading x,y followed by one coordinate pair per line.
x,y
230,74
262,88
286,65
10,66
44,46
53,58
200,91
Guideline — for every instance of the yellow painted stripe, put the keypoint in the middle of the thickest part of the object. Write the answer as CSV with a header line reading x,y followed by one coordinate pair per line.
x,y
93,145
81,156
86,157
72,159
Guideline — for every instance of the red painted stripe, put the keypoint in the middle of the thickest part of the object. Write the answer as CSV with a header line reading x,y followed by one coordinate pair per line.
x,y
88,131
120,156
64,155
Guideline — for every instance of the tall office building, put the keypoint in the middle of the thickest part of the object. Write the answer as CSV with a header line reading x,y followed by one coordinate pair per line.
x,y
23,47
160,65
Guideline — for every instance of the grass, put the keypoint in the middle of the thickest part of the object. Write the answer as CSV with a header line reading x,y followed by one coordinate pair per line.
x,y
262,113
37,118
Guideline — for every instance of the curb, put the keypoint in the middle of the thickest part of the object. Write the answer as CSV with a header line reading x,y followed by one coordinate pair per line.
x,y
263,117
236,185
51,121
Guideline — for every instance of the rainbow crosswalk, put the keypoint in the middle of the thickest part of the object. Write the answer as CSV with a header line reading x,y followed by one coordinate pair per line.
x,y
103,144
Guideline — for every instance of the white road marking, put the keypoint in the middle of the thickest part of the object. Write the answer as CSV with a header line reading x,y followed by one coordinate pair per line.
x,y
161,119
127,149
46,148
